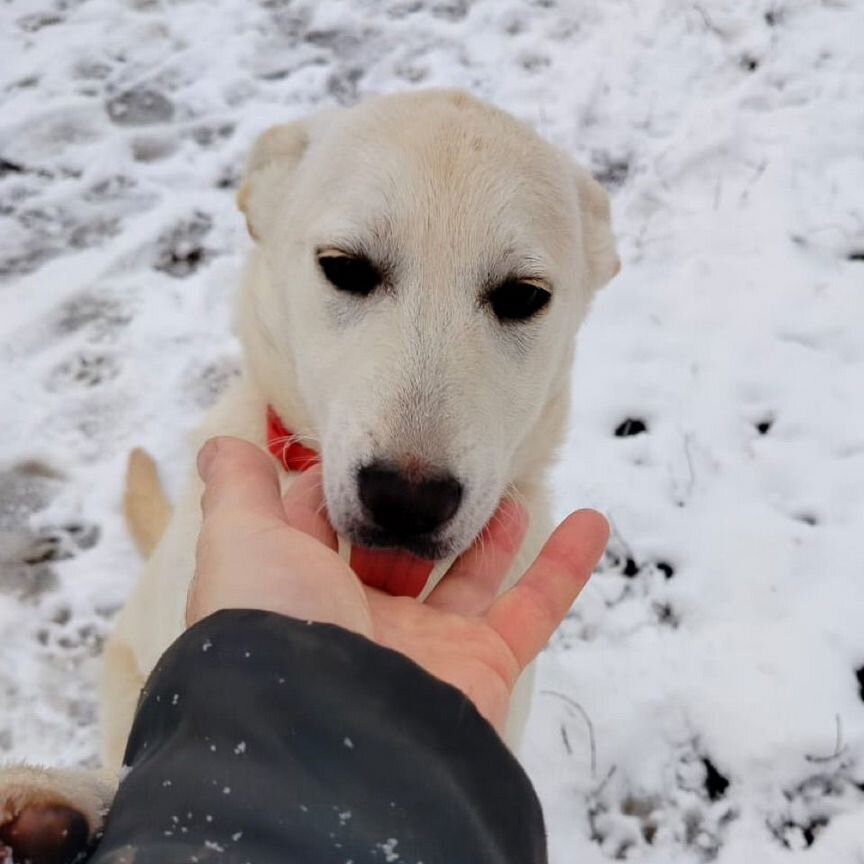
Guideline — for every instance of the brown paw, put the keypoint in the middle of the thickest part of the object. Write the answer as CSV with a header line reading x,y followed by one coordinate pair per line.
x,y
44,834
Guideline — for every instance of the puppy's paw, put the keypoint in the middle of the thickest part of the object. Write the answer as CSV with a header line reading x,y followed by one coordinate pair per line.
x,y
49,816
44,834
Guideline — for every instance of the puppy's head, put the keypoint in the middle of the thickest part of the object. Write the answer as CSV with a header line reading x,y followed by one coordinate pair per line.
x,y
423,263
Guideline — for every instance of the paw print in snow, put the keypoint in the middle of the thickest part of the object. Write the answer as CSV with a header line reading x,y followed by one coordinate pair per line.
x,y
140,106
181,251
83,370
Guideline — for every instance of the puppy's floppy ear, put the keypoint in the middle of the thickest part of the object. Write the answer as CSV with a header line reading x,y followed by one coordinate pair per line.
x,y
275,155
599,241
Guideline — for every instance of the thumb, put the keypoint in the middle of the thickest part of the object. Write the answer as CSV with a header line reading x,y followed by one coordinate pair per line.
x,y
240,479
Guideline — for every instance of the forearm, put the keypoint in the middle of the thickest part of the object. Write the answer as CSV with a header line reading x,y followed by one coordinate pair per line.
x,y
278,741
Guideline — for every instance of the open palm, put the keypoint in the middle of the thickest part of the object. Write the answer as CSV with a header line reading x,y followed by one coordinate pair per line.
x,y
257,550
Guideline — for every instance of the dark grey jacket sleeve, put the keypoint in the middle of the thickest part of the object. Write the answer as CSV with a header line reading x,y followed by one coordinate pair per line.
x,y
266,740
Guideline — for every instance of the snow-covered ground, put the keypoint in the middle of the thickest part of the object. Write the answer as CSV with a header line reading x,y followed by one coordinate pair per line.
x,y
719,393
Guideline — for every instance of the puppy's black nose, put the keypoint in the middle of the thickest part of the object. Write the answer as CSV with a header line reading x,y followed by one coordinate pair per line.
x,y
406,505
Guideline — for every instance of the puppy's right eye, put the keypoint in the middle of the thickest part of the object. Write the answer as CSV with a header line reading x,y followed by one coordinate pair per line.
x,y
352,274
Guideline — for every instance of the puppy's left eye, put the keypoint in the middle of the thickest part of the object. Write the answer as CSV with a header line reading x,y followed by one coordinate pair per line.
x,y
518,301
352,274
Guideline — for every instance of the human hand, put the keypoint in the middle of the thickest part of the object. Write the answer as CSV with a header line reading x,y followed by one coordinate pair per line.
x,y
256,550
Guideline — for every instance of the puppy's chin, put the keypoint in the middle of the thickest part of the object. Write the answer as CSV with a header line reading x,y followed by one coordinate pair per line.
x,y
431,547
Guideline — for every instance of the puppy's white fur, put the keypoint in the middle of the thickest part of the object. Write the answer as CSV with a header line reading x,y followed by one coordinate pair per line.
x,y
451,197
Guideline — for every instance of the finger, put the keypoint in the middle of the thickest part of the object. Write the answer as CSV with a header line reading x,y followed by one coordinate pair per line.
x,y
474,580
527,615
304,507
240,479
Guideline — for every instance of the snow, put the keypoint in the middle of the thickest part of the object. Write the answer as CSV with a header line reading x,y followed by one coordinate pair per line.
x,y
388,847
731,136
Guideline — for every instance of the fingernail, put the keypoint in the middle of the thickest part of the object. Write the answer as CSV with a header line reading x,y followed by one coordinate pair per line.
x,y
206,455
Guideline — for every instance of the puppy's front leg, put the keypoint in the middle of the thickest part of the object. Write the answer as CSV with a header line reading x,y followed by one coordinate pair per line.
x,y
50,816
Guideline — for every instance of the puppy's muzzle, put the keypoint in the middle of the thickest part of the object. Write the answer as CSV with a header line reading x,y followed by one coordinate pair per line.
x,y
405,505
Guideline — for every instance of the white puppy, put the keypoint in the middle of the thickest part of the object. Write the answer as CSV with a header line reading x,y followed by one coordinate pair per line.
x,y
422,264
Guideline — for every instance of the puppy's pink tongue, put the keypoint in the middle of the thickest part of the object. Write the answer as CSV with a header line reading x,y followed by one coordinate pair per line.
x,y
392,570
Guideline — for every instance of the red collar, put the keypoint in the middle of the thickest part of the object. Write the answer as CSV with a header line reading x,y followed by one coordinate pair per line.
x,y
282,443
